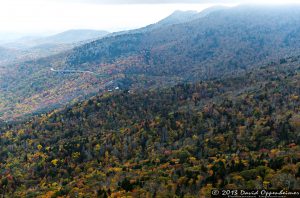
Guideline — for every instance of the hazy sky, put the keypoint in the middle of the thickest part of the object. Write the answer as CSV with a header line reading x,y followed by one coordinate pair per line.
x,y
28,16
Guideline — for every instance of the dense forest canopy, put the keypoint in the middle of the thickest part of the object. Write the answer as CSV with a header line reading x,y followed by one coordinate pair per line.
x,y
235,132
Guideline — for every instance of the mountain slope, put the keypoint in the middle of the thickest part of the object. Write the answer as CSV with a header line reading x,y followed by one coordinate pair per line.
x,y
223,42
177,17
34,47
179,141
7,55
75,36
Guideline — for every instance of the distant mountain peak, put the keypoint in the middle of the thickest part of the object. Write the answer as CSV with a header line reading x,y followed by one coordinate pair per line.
x,y
210,10
77,35
183,12
179,16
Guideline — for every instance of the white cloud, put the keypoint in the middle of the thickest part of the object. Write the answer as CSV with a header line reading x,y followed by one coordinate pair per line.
x,y
46,15
184,1
60,15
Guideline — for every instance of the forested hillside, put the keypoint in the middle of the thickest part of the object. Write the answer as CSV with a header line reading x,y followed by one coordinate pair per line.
x,y
7,54
203,46
234,132
223,41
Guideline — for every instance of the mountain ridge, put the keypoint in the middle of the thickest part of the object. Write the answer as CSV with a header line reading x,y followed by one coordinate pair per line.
x,y
210,47
66,37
